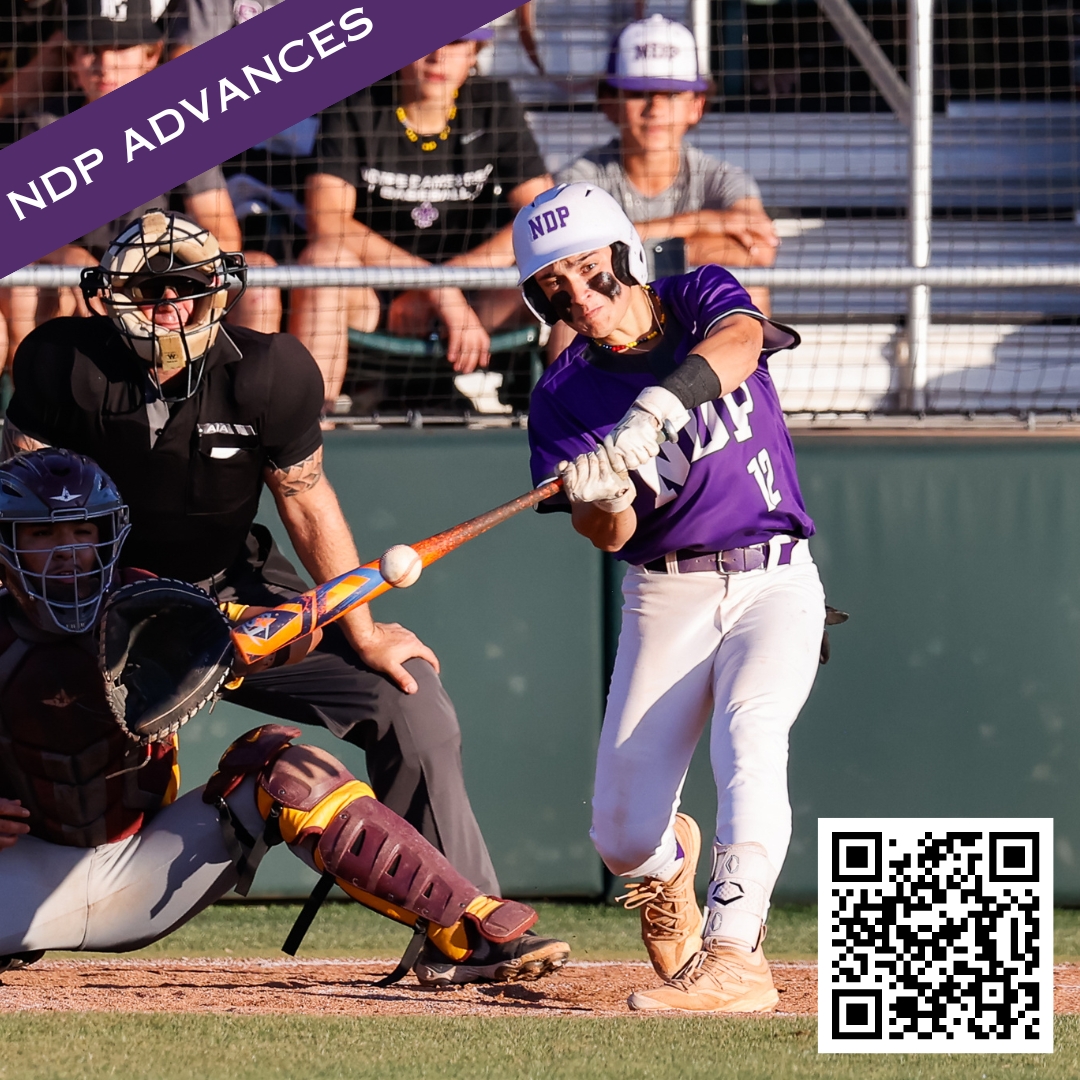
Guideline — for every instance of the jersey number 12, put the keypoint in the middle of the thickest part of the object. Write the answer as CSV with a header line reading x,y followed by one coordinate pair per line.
x,y
761,469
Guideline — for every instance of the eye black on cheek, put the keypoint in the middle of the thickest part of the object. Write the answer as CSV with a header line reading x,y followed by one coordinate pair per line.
x,y
561,303
605,284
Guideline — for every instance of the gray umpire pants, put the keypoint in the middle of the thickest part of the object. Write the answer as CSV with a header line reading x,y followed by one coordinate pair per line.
x,y
412,742
125,895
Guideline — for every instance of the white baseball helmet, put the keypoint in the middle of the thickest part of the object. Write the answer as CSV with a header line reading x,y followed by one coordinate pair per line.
x,y
569,220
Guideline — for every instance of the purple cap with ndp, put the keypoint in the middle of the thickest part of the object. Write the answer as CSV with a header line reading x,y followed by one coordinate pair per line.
x,y
485,33
654,54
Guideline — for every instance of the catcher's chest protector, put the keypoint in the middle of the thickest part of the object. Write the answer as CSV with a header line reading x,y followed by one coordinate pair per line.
x,y
61,751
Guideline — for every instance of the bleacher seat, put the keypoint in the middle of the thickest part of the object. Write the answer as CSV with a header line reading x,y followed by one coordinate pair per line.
x,y
989,349
412,373
983,159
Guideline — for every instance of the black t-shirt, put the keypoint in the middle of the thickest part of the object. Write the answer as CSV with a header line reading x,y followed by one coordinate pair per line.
x,y
438,203
195,493
25,25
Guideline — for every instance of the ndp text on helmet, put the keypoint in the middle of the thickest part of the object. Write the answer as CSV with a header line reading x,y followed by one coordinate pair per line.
x,y
569,220
60,588
159,253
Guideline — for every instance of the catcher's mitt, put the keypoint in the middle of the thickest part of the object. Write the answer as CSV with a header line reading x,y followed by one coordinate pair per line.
x,y
164,650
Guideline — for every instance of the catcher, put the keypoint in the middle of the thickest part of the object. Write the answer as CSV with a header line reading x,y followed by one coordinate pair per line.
x,y
99,667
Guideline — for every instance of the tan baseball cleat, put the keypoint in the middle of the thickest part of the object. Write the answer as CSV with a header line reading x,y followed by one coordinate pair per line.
x,y
719,979
671,920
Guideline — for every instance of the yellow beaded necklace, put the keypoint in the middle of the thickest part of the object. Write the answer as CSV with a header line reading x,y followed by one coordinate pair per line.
x,y
431,143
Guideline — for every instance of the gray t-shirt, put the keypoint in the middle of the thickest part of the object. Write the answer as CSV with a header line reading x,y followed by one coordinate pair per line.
x,y
97,240
196,21
703,183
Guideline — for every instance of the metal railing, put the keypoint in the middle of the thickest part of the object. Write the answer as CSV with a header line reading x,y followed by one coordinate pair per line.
x,y
1044,275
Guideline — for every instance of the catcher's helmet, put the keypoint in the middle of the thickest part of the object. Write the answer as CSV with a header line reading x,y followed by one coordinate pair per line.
x,y
50,487
159,253
569,220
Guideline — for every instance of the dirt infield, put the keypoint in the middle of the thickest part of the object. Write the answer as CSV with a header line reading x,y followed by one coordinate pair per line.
x,y
345,988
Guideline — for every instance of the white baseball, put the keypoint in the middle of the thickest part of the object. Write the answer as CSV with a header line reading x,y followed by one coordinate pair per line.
x,y
400,566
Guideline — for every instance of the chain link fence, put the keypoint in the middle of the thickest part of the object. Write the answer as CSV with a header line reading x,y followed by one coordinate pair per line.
x,y
927,209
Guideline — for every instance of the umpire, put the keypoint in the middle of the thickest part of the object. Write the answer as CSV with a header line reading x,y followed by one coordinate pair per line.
x,y
191,419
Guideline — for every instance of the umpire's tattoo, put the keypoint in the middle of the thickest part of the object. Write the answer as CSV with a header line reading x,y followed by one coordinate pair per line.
x,y
302,476
15,442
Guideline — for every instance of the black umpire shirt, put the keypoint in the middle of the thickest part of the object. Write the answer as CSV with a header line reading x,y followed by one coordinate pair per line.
x,y
194,488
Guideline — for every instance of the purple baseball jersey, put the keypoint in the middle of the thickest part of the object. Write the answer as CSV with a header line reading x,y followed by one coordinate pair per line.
x,y
730,479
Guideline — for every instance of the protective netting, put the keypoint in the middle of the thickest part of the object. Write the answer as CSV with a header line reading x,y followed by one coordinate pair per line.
x,y
809,100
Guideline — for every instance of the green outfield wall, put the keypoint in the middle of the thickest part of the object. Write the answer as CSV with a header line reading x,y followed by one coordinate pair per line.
x,y
954,689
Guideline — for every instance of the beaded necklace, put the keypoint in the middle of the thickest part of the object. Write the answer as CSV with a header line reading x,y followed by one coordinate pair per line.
x,y
427,144
655,332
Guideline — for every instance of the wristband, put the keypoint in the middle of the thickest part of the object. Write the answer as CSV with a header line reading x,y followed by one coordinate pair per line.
x,y
693,382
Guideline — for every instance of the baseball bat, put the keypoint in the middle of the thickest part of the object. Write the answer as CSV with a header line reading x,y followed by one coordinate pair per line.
x,y
272,630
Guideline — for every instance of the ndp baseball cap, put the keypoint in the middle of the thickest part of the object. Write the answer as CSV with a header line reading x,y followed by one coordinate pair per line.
x,y
654,54
117,24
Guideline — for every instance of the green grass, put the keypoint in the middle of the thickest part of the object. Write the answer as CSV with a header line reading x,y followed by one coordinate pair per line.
x,y
86,1046
1067,935
595,931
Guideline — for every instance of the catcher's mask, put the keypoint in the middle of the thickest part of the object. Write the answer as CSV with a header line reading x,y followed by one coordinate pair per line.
x,y
164,282
59,587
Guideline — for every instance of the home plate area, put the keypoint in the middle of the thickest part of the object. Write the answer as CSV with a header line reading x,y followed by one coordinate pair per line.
x,y
346,988
340,988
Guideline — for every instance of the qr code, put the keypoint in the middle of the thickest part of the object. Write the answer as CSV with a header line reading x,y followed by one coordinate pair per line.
x,y
935,935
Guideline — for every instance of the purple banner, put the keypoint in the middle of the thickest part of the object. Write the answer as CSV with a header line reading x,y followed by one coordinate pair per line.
x,y
207,106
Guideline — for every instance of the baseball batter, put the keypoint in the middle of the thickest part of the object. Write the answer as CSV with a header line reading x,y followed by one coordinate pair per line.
x,y
96,850
665,426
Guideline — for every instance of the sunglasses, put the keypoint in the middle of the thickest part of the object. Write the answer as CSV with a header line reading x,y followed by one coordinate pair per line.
x,y
154,288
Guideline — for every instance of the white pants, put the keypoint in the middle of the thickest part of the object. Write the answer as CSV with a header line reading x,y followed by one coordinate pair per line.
x,y
124,895
741,647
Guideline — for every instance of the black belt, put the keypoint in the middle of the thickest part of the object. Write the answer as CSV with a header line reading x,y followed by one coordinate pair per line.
x,y
257,551
733,561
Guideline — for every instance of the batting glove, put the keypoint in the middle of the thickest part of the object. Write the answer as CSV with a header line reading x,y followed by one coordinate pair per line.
x,y
593,478
657,414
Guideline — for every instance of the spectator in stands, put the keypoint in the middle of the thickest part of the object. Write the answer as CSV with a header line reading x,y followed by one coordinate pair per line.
x,y
654,93
428,166
31,64
31,54
191,22
266,181
104,53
